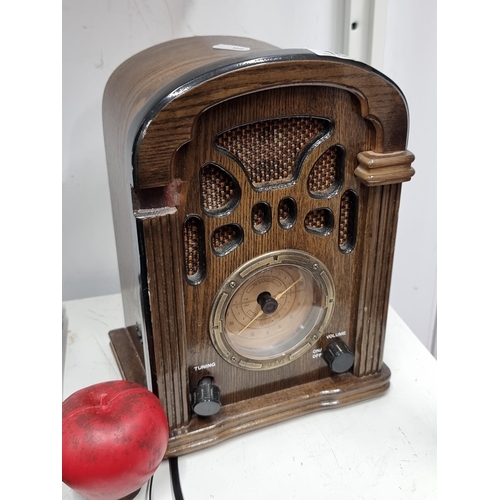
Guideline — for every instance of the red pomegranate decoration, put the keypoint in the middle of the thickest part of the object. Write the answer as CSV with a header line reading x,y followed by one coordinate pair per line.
x,y
114,437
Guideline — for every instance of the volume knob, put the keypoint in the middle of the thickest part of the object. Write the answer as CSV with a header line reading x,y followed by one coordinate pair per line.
x,y
206,398
338,356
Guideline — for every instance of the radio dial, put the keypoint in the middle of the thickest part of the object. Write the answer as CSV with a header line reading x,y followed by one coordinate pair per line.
x,y
272,309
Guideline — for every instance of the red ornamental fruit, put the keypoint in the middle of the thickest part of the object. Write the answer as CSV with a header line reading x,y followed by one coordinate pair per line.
x,y
114,437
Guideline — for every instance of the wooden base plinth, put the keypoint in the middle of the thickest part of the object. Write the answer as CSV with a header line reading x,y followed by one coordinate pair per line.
x,y
233,420
244,416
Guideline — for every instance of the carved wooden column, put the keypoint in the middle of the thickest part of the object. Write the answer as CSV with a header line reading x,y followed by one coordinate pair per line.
x,y
381,176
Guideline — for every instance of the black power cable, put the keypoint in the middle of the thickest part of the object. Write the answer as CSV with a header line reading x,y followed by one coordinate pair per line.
x,y
174,476
149,490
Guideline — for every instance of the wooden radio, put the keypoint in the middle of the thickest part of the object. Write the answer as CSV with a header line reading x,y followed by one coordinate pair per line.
x,y
255,196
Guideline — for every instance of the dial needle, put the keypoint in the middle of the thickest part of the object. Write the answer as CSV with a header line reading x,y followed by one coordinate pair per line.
x,y
278,297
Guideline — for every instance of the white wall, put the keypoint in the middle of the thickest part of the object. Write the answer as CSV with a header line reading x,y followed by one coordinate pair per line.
x,y
98,36
410,59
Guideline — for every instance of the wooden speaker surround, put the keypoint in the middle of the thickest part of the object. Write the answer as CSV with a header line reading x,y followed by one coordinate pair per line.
x,y
255,196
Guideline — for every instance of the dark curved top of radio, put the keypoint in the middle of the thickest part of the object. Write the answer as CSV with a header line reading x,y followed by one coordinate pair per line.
x,y
166,86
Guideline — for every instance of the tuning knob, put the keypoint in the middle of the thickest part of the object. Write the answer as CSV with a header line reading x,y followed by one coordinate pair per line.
x,y
206,398
338,356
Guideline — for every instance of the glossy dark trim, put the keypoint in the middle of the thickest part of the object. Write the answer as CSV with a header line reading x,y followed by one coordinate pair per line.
x,y
196,77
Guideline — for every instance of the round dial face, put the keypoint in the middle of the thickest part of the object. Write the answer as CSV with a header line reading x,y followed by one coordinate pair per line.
x,y
272,309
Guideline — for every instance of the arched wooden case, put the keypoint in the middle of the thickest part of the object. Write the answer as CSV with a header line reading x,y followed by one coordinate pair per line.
x,y
221,151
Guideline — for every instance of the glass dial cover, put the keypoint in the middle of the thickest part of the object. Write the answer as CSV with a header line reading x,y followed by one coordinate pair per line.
x,y
272,309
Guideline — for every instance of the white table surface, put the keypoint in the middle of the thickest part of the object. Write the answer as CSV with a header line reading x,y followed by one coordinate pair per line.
x,y
382,449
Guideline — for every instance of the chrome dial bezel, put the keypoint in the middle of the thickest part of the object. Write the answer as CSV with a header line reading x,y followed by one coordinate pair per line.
x,y
306,263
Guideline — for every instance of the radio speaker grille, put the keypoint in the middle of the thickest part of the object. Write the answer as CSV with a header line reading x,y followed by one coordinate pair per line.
x,y
261,218
226,238
194,255
271,151
287,213
348,221
327,174
319,221
220,192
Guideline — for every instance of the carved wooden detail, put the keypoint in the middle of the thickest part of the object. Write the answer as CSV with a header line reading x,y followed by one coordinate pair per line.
x,y
377,169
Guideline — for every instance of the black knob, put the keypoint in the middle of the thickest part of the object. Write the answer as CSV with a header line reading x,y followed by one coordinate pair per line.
x,y
338,356
267,303
206,398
